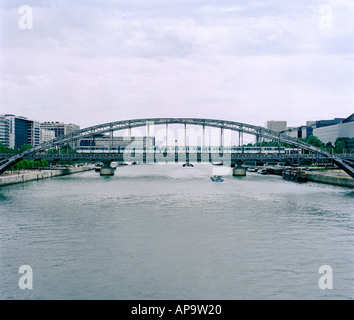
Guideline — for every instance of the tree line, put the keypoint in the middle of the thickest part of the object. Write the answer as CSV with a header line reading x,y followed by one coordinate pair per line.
x,y
34,164
338,147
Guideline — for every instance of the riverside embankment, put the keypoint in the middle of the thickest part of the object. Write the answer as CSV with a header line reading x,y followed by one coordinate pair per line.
x,y
335,176
20,177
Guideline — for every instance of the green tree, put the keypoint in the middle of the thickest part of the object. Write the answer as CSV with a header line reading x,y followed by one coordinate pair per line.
x,y
329,145
44,163
340,146
313,140
25,147
4,149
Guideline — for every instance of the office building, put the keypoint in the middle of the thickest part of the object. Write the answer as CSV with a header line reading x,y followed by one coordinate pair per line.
x,y
46,135
343,130
276,125
60,129
4,131
22,131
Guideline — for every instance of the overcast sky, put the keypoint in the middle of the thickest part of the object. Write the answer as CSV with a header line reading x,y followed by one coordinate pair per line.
x,y
92,61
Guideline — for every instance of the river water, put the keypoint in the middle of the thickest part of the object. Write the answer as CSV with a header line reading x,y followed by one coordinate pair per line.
x,y
167,232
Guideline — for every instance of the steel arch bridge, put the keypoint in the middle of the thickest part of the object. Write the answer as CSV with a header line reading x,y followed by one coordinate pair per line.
x,y
222,124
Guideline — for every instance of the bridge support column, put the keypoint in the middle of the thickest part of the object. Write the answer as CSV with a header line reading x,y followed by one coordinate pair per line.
x,y
239,171
107,170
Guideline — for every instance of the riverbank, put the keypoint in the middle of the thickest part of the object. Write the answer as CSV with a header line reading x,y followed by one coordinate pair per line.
x,y
330,176
337,177
20,177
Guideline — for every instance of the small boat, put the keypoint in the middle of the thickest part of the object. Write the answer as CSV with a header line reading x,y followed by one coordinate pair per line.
x,y
218,164
187,165
252,169
217,178
294,175
262,171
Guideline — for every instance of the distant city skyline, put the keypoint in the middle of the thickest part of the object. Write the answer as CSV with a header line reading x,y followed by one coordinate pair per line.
x,y
93,62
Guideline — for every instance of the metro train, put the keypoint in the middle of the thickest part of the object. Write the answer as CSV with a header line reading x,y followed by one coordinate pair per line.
x,y
191,149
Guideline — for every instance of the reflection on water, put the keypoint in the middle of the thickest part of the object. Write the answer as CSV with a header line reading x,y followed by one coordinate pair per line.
x,y
167,232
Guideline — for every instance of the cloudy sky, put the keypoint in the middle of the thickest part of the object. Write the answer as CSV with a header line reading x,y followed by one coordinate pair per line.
x,y
92,61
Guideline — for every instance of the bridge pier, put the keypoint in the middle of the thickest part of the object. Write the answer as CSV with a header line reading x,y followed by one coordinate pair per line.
x,y
107,170
239,171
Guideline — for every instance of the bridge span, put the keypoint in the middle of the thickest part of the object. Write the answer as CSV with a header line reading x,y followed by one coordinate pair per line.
x,y
145,158
37,152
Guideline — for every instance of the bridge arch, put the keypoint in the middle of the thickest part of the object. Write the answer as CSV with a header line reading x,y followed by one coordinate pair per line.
x,y
222,124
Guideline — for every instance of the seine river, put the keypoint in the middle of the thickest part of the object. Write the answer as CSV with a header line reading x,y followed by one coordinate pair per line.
x,y
167,232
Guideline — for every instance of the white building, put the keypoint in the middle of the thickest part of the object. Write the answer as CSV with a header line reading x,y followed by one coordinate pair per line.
x,y
59,128
4,131
276,125
46,135
344,129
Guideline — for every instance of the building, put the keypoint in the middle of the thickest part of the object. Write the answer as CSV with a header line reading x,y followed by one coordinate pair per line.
x,y
21,131
60,129
343,130
34,133
293,132
4,131
276,125
311,127
46,135
326,123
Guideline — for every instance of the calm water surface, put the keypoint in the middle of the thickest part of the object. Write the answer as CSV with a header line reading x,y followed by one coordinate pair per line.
x,y
167,232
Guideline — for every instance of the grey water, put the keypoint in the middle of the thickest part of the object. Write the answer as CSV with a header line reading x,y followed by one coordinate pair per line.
x,y
167,232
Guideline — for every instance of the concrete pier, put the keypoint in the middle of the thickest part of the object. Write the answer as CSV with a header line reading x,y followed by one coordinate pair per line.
x,y
107,171
239,172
